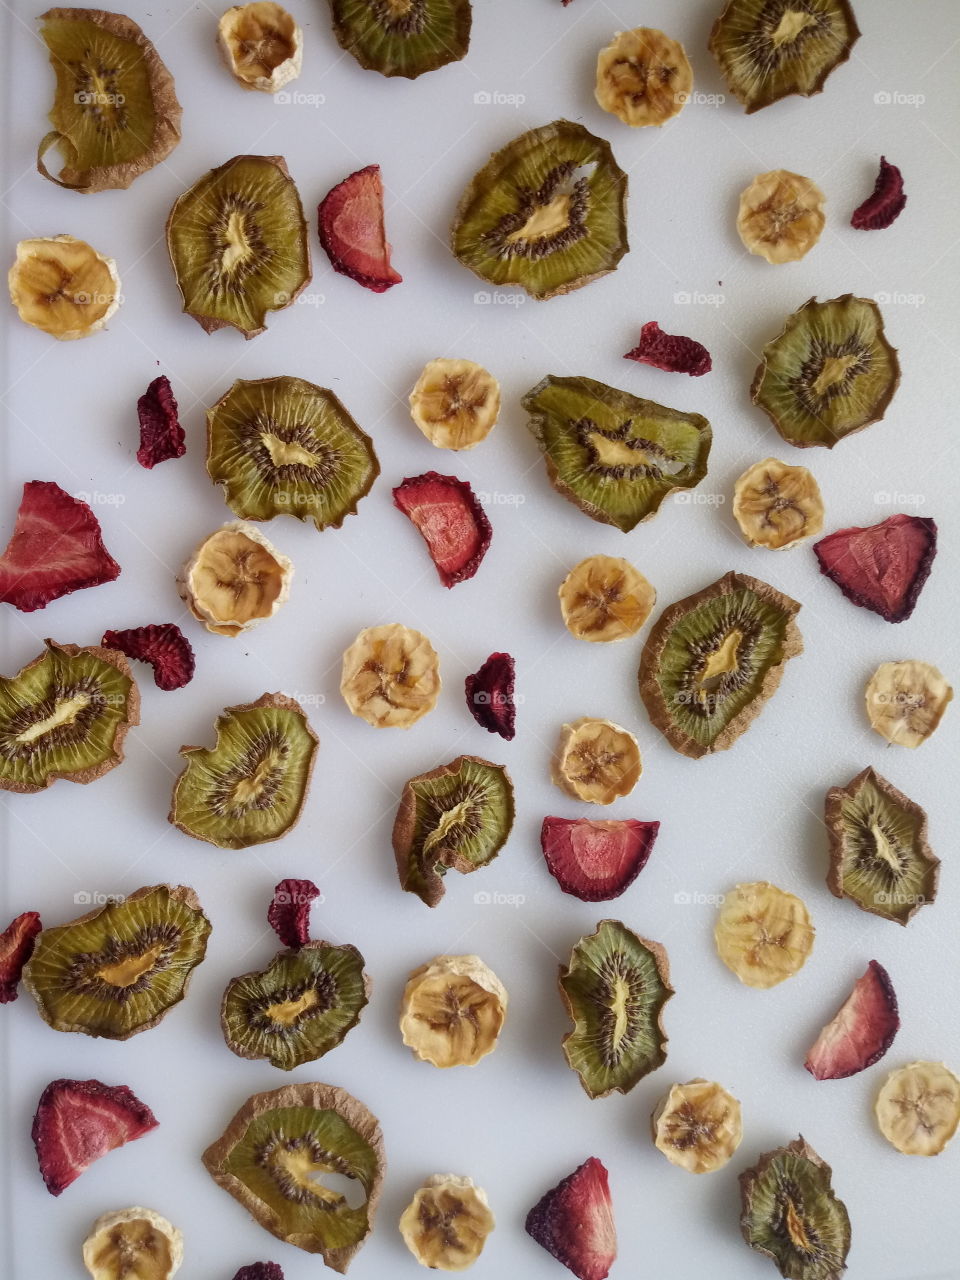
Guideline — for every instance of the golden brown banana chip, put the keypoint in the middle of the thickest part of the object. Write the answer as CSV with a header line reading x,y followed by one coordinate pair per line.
x,y
63,286
452,1011
776,505
918,1108
643,77
446,1224
604,598
781,215
261,45
455,403
763,934
133,1244
596,761
906,701
235,579
391,676
697,1126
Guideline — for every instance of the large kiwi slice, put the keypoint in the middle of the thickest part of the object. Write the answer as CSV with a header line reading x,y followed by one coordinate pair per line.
x,y
612,454
282,446
251,786
830,372
121,968
274,1153
238,243
547,212
614,989
403,37
65,715
714,658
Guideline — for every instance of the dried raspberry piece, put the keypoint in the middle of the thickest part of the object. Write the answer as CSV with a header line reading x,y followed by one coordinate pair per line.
x,y
885,203
596,860
883,566
56,548
161,435
260,1271
862,1030
78,1121
163,645
289,912
352,230
575,1223
490,695
16,948
451,520
670,352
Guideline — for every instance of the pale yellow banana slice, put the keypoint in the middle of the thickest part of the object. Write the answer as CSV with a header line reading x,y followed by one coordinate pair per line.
x,y
604,598
776,505
455,403
781,216
698,1126
452,1011
235,579
447,1222
906,701
133,1244
63,286
262,45
763,934
918,1108
391,676
596,761
643,77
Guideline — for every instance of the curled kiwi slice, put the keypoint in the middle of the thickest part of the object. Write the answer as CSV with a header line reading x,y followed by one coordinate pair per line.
x,y
238,243
403,37
251,786
282,446
65,715
274,1154
121,968
547,212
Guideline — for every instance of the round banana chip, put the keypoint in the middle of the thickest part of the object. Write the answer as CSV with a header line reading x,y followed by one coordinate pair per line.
x,y
604,598
596,761
697,1126
455,403
763,934
781,216
918,1108
391,676
453,1010
63,286
643,77
261,45
447,1222
906,701
133,1244
235,579
776,505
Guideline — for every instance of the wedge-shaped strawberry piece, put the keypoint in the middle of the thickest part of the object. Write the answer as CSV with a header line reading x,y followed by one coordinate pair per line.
x,y
862,1030
670,352
289,913
883,566
163,645
78,1121
161,435
490,695
885,203
575,1223
260,1271
56,548
453,523
352,230
596,860
16,948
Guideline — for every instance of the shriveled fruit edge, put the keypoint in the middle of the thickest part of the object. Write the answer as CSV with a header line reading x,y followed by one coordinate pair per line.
x,y
346,40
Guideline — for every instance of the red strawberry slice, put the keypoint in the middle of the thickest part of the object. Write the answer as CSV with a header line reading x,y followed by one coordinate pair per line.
x,y
596,860
56,548
490,695
451,520
575,1223
289,913
161,435
260,1271
885,203
78,1121
16,947
883,566
163,645
670,352
352,230
861,1032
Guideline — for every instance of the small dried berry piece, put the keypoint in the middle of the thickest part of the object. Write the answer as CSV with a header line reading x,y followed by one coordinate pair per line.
x,y
405,38
643,77
446,1224
161,435
763,934
574,1222
906,701
882,566
235,579
16,947
490,695
78,1121
697,1126
455,403
161,644
596,861
63,286
390,676
451,521
776,505
289,912
260,1271
670,352
596,761
604,599
781,216
261,44
918,1108
885,203
352,230
133,1244
453,1010
862,1030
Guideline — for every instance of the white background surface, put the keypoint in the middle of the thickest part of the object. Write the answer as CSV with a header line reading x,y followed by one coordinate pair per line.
x,y
518,1122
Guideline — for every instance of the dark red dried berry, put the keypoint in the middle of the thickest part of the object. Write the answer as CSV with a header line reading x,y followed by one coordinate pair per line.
x,y
352,230
596,860
883,566
163,645
575,1223
886,202
862,1030
78,1121
490,695
260,1271
670,352
289,912
451,520
16,948
161,435
56,548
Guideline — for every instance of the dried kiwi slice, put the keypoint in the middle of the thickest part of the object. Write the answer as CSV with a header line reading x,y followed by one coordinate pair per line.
x,y
274,1153
547,212
614,989
121,968
403,37
714,658
282,446
830,372
238,243
614,455
251,786
65,715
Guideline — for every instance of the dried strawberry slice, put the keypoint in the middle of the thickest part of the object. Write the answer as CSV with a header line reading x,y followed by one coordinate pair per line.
x,y
161,435
670,352
57,547
163,645
861,1032
883,566
451,520
352,230
16,948
885,203
78,1121
260,1271
596,860
575,1223
490,695
289,912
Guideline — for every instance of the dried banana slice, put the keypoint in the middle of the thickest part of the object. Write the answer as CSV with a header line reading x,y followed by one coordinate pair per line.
x,y
133,1244
781,216
261,44
643,77
391,676
697,1126
63,286
918,1108
777,506
452,1011
763,934
906,701
235,579
455,403
604,598
446,1224
596,761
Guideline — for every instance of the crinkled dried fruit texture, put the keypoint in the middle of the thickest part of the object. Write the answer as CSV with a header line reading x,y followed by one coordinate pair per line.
x,y
289,912
274,1153
884,204
670,352
781,216
763,934
452,1011
133,1244
455,403
574,1222
16,947
450,520
596,761
261,45
643,77
883,566
161,435
906,701
163,645
390,676
776,505
489,693
63,286
260,1271
861,1031
403,37
446,1224
235,579
697,1126
596,861
604,599
78,1121
918,1108
352,230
